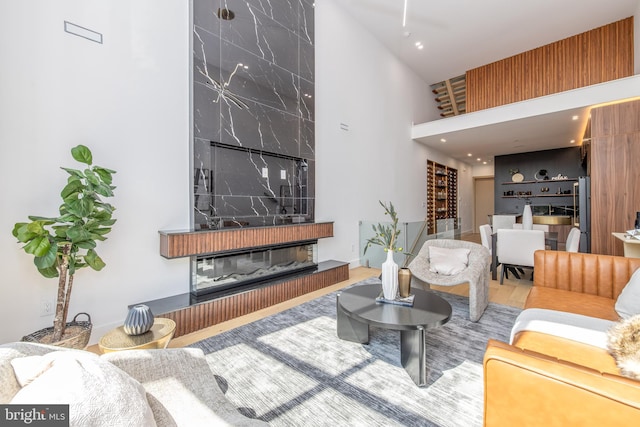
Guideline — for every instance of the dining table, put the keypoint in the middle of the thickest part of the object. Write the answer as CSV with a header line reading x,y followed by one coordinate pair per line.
x,y
550,240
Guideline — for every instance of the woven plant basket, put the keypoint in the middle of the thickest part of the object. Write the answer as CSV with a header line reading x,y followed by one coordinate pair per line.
x,y
76,335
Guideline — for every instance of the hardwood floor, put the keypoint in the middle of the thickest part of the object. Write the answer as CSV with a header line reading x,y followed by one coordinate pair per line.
x,y
513,292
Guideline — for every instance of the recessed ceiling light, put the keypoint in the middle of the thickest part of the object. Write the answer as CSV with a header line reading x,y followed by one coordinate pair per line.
x,y
572,141
575,118
478,159
484,163
443,140
469,155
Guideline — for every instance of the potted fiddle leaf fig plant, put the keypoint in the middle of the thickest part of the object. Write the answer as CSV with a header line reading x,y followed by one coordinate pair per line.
x,y
63,244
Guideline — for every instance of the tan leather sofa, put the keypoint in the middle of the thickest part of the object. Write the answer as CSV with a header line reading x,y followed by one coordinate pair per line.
x,y
542,380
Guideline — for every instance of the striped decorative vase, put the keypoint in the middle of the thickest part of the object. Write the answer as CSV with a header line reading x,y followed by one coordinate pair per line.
x,y
139,320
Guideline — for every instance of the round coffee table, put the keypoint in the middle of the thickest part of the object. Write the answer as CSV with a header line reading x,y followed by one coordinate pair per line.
x,y
357,309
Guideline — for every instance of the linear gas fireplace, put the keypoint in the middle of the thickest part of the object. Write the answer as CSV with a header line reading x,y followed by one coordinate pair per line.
x,y
236,271
222,272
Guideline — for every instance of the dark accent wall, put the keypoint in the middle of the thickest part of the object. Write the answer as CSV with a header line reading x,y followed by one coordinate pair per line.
x,y
253,113
563,161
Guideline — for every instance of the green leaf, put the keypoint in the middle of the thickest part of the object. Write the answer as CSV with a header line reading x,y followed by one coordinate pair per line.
x,y
39,246
104,174
87,244
94,260
74,172
81,207
61,231
101,231
48,259
20,227
82,154
74,187
104,190
77,234
91,177
49,272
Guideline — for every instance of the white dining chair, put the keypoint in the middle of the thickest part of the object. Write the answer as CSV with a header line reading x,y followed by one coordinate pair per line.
x,y
515,248
485,237
573,240
543,227
503,221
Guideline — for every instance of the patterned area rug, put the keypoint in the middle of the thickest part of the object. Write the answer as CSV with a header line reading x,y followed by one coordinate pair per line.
x,y
291,369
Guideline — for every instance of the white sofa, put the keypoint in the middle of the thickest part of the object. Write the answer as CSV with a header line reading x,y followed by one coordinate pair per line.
x,y
171,387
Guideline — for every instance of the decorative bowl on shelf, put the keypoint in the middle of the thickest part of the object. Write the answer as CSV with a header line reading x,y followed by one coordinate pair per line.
x,y
517,177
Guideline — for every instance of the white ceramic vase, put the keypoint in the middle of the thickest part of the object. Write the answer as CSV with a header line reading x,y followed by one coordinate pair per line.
x,y
527,218
389,277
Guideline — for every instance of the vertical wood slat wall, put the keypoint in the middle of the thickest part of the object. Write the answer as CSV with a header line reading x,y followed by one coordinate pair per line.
x,y
615,174
595,56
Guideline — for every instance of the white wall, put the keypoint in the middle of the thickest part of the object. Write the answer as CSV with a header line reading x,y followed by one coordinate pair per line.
x,y
361,84
127,99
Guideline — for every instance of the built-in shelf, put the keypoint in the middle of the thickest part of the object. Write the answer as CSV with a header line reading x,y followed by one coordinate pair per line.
x,y
177,244
548,181
537,195
442,197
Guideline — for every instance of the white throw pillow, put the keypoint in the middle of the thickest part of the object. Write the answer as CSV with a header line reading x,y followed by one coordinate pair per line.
x,y
98,393
628,302
448,261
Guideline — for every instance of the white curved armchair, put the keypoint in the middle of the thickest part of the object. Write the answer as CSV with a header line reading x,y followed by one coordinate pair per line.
x,y
476,273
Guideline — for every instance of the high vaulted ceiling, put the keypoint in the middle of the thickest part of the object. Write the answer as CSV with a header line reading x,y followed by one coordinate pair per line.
x,y
459,35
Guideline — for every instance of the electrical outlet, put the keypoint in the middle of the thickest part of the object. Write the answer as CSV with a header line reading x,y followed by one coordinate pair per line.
x,y
46,307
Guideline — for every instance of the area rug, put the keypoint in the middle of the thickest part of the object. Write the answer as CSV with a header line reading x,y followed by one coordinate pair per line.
x,y
291,369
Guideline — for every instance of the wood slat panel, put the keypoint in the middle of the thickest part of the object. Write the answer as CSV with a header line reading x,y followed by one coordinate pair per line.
x,y
190,243
615,175
596,56
203,315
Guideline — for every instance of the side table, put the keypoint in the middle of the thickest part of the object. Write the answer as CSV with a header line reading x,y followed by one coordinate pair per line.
x,y
157,337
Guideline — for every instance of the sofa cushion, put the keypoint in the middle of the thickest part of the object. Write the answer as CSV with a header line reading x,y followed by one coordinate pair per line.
x,y
98,393
448,261
628,302
584,329
572,302
181,387
623,341
8,352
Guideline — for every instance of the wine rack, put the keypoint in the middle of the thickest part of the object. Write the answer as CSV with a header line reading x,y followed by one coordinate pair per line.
x,y
442,195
